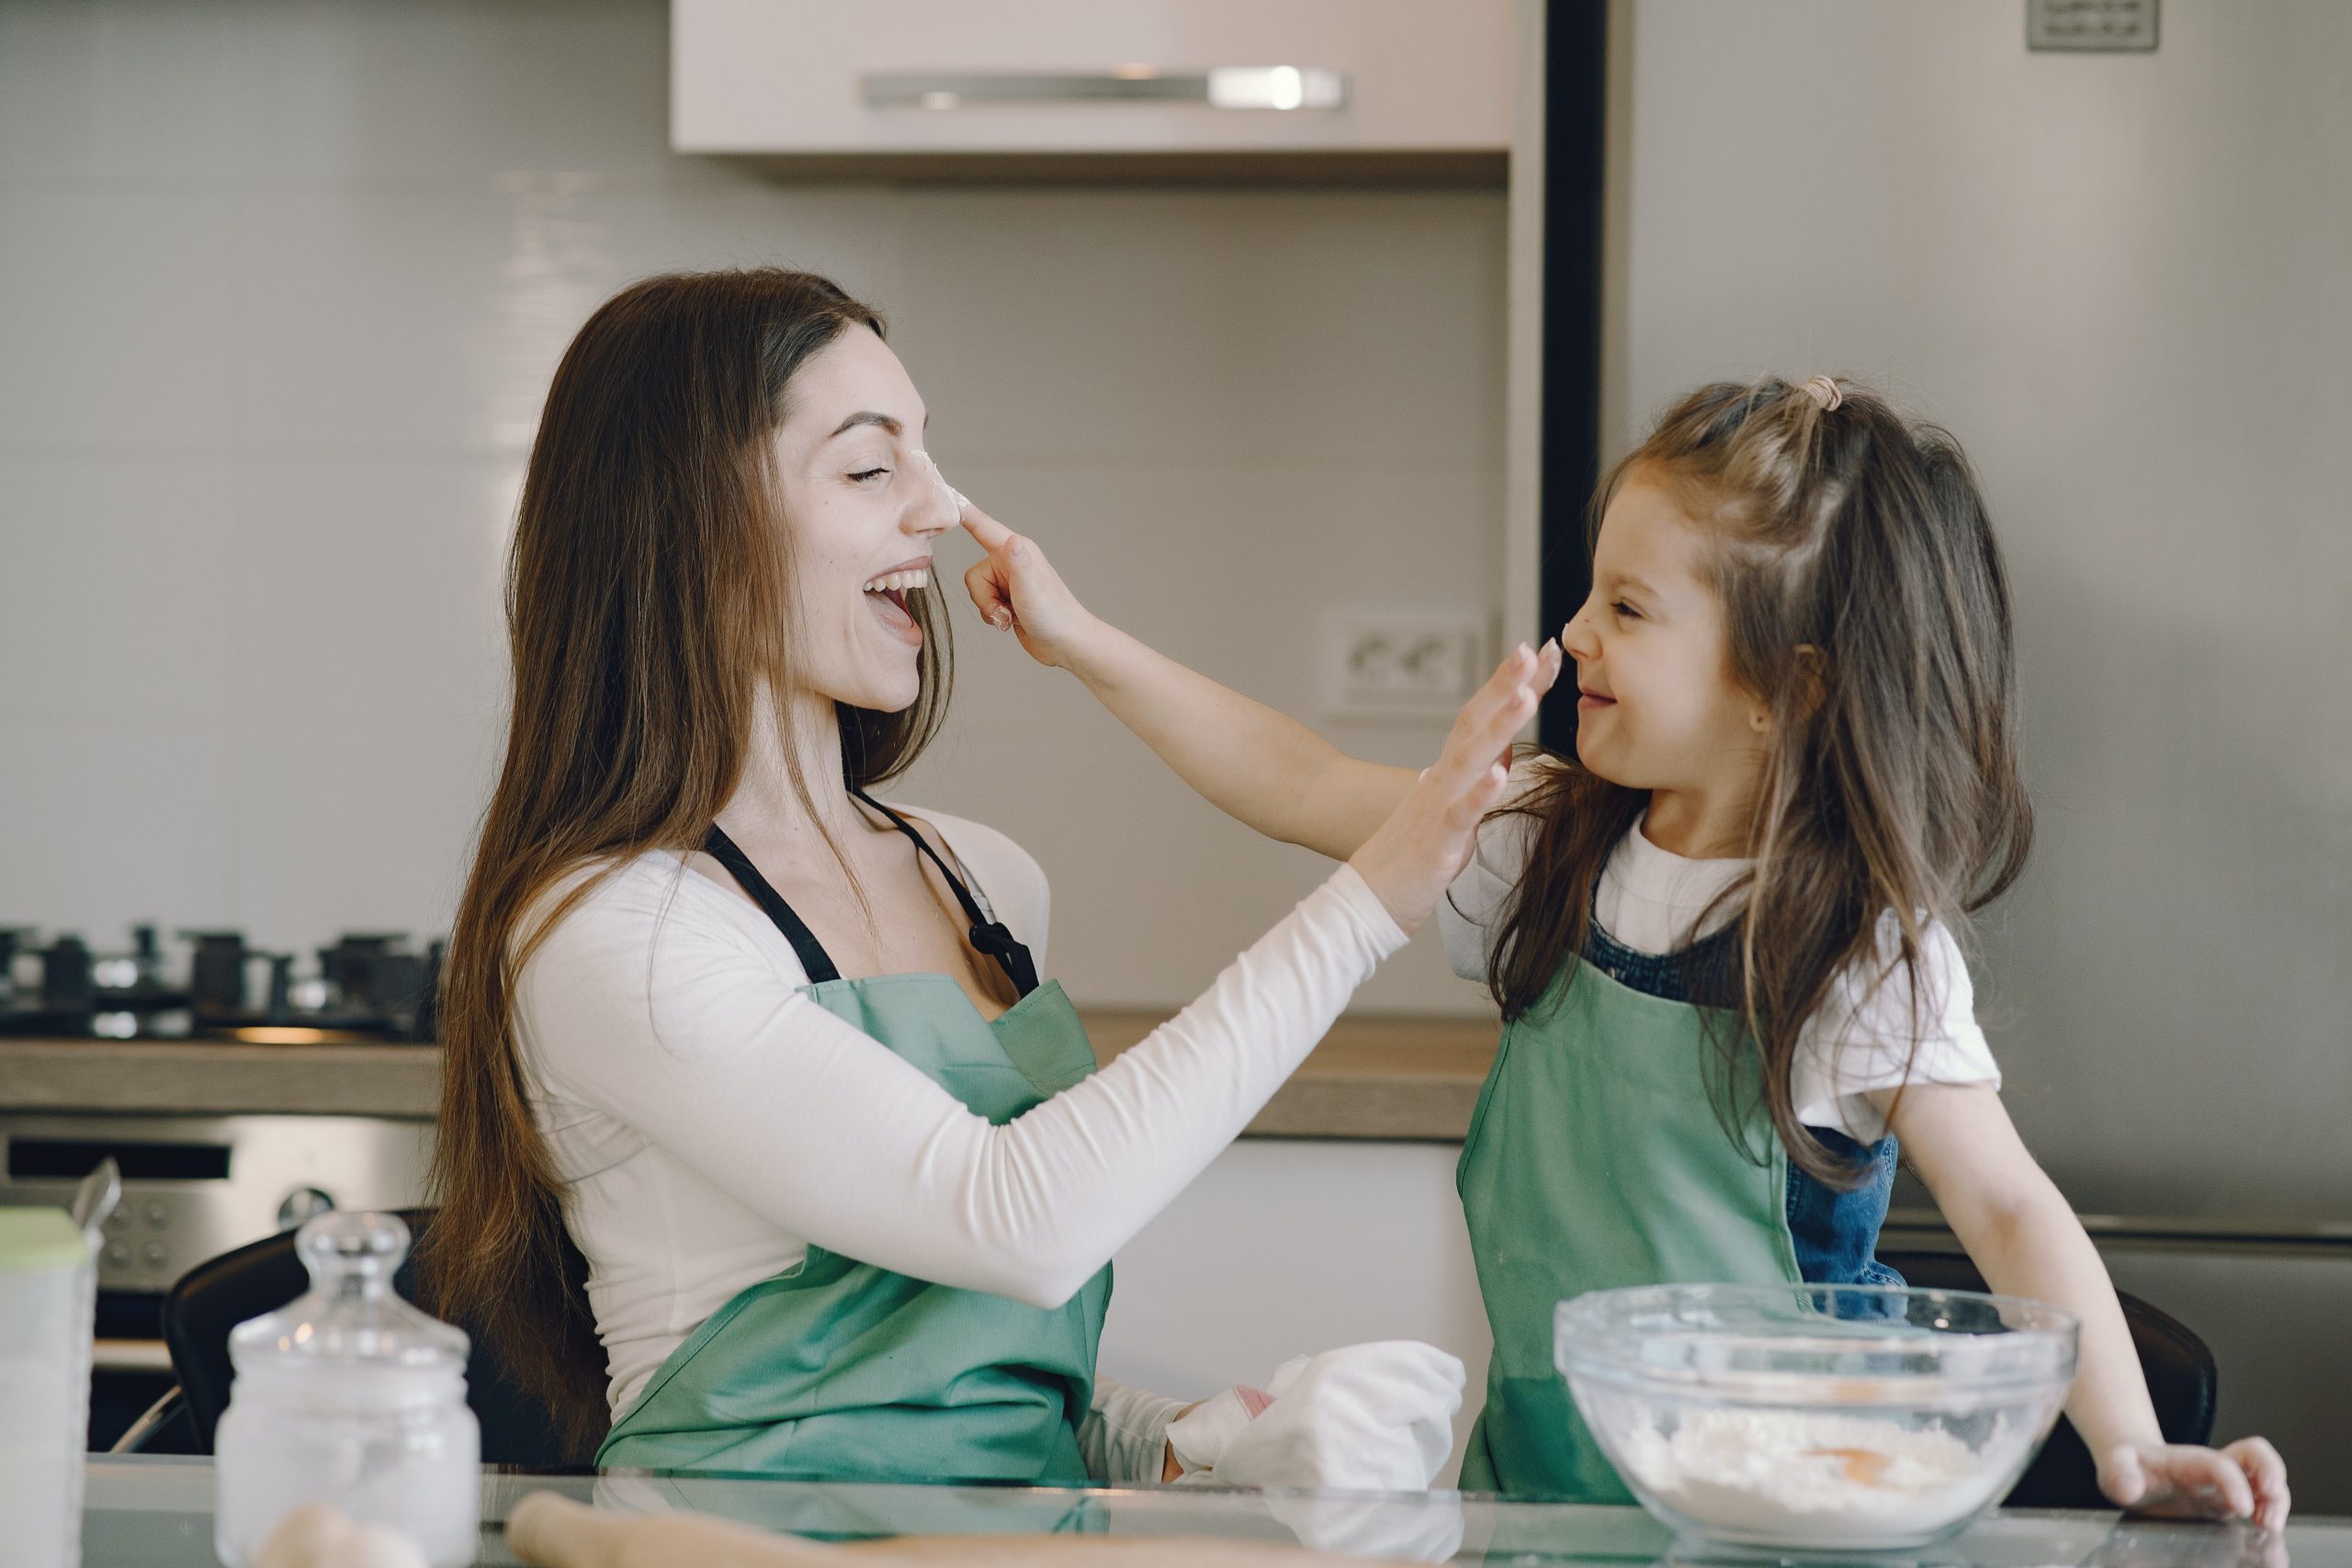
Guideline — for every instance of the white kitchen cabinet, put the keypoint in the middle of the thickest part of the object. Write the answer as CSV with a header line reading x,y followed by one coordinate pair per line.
x,y
944,79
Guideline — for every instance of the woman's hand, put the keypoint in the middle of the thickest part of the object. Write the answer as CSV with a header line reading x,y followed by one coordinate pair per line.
x,y
1017,590
1415,855
2246,1479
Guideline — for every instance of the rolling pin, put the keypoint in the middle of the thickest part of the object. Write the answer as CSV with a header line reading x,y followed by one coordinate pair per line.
x,y
548,1532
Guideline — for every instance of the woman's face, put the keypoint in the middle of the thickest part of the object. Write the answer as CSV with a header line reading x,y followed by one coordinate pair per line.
x,y
862,502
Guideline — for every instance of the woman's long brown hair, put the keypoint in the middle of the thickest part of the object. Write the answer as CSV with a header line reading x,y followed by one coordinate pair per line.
x,y
649,598
1866,603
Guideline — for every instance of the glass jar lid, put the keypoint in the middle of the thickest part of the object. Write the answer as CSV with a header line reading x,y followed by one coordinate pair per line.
x,y
351,1313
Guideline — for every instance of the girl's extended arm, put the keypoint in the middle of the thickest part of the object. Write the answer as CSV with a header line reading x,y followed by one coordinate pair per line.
x,y
2021,1232
1255,764
1251,762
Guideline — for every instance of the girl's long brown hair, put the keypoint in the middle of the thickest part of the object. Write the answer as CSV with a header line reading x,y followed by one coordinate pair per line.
x,y
649,598
1867,604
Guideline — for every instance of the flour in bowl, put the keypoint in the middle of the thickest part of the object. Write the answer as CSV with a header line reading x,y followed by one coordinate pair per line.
x,y
1813,1479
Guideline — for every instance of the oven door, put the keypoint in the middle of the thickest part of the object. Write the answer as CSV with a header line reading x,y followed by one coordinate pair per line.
x,y
194,1187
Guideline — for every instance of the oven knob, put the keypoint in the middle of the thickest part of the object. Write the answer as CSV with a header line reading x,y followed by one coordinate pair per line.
x,y
302,1203
118,1254
156,1214
153,1255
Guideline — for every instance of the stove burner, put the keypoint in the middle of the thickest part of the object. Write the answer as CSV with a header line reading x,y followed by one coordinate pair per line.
x,y
366,986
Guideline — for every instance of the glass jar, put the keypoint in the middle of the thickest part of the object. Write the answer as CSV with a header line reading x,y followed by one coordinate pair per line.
x,y
351,1397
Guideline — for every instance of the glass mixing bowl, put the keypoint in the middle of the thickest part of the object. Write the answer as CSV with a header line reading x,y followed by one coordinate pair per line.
x,y
1826,1417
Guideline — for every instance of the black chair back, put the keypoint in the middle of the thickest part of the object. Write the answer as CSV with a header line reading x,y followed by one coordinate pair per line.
x,y
217,1295
2182,1380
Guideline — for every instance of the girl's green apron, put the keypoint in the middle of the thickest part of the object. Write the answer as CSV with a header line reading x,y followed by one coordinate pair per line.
x,y
1595,1158
841,1370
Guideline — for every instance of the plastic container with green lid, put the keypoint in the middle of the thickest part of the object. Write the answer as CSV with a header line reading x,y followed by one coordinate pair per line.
x,y
35,1239
48,1298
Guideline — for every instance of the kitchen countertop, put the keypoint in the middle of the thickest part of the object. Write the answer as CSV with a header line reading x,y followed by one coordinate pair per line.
x,y
1381,1079
156,1512
1395,1079
1401,1078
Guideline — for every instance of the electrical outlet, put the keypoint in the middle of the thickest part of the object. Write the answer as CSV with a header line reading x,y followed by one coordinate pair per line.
x,y
1406,665
2094,25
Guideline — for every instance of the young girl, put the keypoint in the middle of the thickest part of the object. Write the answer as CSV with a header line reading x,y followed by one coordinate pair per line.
x,y
1723,934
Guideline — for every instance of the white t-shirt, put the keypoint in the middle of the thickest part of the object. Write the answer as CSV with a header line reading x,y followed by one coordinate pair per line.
x,y
710,1123
1651,900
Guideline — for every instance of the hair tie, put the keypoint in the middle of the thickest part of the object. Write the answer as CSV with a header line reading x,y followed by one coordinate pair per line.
x,y
1822,390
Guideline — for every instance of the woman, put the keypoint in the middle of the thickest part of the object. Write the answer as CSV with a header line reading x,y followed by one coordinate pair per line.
x,y
842,1181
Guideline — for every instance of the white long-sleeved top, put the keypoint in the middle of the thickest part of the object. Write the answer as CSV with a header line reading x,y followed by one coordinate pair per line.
x,y
710,1123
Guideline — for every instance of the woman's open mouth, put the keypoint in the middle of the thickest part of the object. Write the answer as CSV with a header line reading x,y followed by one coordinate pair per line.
x,y
890,594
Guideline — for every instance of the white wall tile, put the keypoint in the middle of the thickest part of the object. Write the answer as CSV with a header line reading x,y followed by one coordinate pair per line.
x,y
732,217
356,823
1285,325
109,823
359,90
118,317
373,587
110,90
119,587
401,319
432,317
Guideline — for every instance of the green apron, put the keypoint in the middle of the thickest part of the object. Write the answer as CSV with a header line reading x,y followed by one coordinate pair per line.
x,y
1597,1158
837,1370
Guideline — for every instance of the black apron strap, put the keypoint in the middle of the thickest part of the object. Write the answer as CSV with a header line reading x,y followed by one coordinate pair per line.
x,y
987,936
813,957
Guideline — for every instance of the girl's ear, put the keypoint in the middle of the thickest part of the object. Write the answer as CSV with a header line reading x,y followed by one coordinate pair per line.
x,y
1813,688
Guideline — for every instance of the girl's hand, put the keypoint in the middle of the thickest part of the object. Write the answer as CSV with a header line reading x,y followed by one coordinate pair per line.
x,y
1412,857
1017,590
2246,1479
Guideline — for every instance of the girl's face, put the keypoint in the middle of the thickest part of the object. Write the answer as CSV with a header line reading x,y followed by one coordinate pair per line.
x,y
862,502
1659,709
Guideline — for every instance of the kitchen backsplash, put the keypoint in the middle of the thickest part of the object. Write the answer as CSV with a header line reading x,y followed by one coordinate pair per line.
x,y
283,285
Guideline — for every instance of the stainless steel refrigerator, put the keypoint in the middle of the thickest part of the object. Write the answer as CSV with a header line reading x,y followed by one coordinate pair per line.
x,y
2121,278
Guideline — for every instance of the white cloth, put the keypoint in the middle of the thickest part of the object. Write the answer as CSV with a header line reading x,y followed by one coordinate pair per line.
x,y
1652,900
710,1123
1375,1417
